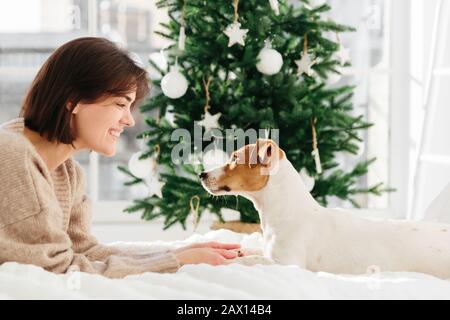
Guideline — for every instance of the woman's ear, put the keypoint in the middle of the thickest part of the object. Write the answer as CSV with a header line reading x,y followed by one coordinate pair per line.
x,y
75,109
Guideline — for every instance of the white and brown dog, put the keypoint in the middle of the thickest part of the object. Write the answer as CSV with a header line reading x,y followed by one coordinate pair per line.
x,y
297,230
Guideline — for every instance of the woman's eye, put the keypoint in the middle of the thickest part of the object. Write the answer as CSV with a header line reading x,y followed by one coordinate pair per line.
x,y
121,105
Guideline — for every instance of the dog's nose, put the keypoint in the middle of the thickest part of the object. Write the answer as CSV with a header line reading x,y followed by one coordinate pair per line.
x,y
202,175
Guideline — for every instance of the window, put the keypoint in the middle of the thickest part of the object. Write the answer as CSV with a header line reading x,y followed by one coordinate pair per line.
x,y
369,52
25,43
430,80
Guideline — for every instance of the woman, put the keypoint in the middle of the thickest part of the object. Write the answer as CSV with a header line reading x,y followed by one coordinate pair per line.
x,y
81,99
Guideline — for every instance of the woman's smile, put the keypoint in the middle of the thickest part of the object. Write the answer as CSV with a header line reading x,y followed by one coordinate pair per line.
x,y
115,133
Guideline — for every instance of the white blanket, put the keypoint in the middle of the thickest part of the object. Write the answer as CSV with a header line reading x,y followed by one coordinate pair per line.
x,y
223,282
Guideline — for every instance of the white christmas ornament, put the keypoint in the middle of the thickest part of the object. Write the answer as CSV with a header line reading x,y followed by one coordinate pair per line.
x,y
316,155
214,158
270,61
307,179
343,55
182,38
174,85
235,34
275,6
170,115
210,121
155,187
304,64
141,168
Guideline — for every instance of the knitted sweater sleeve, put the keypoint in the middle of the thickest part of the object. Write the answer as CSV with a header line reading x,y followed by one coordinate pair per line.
x,y
79,227
31,227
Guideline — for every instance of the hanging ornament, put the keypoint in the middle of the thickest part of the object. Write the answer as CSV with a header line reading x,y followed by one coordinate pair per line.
x,y
306,62
170,115
214,158
234,31
307,179
194,210
174,85
155,186
270,60
141,168
275,6
315,152
209,121
182,38
343,54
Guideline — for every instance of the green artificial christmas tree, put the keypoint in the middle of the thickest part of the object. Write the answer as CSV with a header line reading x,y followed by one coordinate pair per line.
x,y
249,64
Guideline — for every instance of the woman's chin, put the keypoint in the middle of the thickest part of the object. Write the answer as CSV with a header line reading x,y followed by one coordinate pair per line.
x,y
107,152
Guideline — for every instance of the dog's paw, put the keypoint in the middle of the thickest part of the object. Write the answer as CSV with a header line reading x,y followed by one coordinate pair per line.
x,y
253,260
243,252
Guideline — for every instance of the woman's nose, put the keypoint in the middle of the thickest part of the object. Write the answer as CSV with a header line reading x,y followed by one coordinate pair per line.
x,y
128,119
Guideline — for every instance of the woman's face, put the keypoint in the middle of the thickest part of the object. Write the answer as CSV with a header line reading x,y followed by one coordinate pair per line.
x,y
99,125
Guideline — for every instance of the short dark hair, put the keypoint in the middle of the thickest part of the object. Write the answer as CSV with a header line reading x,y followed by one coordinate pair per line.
x,y
86,70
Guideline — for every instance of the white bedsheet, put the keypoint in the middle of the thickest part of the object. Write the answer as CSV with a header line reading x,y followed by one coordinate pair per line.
x,y
223,282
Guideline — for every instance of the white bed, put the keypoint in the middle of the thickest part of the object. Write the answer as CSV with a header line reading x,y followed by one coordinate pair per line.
x,y
223,282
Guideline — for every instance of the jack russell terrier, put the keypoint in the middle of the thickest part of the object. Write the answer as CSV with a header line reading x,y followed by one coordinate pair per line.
x,y
297,230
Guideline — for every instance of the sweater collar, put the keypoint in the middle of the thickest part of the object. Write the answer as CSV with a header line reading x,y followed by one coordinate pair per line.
x,y
16,125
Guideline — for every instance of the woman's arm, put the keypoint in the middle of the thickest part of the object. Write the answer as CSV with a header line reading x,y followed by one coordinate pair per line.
x,y
39,240
80,223
85,243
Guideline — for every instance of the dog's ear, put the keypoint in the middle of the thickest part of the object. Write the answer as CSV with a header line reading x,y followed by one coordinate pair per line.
x,y
269,154
265,151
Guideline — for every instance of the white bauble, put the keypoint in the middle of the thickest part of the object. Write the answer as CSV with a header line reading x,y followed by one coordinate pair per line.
x,y
307,179
141,168
174,85
214,158
270,61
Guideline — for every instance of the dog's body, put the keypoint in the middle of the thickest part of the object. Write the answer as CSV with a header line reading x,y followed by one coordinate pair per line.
x,y
297,230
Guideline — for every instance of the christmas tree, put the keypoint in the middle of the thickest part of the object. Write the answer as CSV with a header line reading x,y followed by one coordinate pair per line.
x,y
251,64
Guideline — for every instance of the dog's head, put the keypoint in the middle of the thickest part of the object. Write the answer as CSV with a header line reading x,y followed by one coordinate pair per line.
x,y
248,169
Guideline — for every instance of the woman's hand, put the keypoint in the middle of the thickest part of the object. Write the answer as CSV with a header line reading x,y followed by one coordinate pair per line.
x,y
212,253
210,256
214,245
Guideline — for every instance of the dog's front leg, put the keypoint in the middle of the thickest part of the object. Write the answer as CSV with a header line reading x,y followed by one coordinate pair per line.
x,y
286,256
251,257
253,260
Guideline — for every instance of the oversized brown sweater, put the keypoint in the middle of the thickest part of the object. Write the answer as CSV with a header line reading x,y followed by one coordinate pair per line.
x,y
45,217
